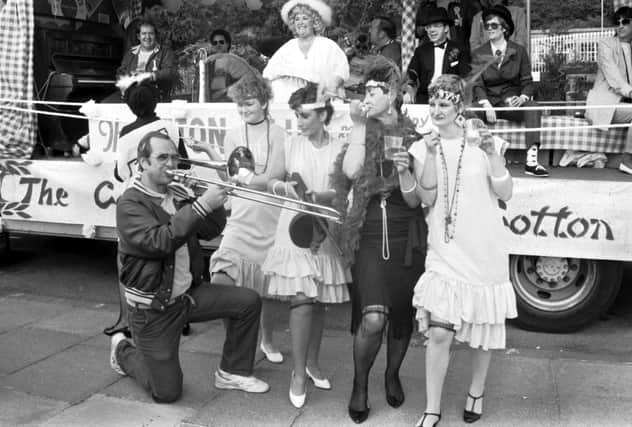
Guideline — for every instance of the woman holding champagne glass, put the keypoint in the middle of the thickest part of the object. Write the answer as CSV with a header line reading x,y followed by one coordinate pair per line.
x,y
383,234
465,292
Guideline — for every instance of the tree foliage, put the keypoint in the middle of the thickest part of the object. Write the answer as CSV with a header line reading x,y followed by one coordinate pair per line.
x,y
560,16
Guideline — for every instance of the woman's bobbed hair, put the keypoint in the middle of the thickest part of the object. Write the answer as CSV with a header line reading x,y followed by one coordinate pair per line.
x,y
382,69
448,83
309,95
253,85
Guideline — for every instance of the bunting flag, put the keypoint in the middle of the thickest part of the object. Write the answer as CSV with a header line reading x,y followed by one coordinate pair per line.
x,y
17,128
409,40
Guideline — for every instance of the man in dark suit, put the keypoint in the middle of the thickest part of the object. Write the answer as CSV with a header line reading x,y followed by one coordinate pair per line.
x,y
436,56
383,33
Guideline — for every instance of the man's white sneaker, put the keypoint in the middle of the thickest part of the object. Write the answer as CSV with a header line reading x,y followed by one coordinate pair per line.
x,y
116,339
224,380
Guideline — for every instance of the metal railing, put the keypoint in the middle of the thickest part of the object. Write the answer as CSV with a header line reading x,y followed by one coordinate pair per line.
x,y
575,46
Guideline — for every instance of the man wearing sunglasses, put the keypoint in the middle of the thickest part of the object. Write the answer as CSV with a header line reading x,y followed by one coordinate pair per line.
x,y
220,41
613,83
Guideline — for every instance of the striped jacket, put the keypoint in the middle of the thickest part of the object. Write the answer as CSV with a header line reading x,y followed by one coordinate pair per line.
x,y
149,238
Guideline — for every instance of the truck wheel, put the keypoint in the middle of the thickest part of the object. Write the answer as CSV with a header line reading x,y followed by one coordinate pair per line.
x,y
562,294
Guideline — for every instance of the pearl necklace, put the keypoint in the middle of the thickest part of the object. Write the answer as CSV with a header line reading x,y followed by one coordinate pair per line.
x,y
450,206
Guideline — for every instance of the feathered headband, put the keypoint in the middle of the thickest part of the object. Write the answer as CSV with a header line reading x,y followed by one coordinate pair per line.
x,y
317,5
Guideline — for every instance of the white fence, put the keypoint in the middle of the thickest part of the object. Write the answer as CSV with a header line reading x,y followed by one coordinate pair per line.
x,y
575,46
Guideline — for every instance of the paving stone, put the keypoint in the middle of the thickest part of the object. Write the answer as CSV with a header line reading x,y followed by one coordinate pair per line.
x,y
16,311
17,408
80,321
536,376
581,410
24,346
599,380
599,340
104,411
69,376
236,408
198,387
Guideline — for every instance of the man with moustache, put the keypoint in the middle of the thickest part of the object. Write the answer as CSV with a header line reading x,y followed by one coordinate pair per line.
x,y
160,266
435,57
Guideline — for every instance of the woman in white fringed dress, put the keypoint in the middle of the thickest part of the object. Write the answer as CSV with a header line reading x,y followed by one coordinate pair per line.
x,y
465,292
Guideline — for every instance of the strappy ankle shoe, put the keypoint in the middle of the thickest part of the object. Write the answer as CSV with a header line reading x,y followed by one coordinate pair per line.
x,y
469,416
420,423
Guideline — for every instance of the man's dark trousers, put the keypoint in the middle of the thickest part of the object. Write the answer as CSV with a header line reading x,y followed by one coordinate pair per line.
x,y
154,360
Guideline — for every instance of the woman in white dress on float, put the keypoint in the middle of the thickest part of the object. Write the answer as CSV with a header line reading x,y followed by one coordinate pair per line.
x,y
308,57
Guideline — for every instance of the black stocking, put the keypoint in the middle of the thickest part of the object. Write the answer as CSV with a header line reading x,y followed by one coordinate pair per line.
x,y
366,344
396,350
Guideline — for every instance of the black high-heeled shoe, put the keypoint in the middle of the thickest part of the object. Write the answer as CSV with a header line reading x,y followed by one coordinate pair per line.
x,y
469,416
394,400
420,423
359,416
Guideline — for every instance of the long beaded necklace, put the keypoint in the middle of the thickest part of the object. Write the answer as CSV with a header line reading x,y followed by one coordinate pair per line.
x,y
267,141
450,206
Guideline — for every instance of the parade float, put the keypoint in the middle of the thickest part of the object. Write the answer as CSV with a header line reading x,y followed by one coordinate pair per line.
x,y
569,234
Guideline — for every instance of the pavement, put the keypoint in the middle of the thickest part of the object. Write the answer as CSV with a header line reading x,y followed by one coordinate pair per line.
x,y
54,371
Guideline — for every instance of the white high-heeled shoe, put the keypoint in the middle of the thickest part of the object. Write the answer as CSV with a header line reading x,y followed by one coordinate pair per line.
x,y
298,400
272,356
322,383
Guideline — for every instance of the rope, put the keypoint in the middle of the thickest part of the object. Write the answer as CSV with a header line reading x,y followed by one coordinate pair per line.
x,y
556,128
104,119
203,127
622,106
30,101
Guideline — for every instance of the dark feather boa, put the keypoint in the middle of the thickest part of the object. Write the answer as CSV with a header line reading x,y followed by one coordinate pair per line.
x,y
367,182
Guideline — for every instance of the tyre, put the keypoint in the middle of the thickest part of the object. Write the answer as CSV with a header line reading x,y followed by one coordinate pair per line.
x,y
562,294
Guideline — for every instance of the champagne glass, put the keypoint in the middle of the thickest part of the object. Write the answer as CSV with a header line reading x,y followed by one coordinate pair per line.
x,y
472,134
392,144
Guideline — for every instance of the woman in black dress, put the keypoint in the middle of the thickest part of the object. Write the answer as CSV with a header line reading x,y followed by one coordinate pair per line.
x,y
383,234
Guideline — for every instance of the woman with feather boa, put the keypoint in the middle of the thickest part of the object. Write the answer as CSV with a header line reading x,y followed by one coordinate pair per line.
x,y
383,234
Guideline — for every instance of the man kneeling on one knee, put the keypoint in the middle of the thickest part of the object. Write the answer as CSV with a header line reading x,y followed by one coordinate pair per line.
x,y
161,267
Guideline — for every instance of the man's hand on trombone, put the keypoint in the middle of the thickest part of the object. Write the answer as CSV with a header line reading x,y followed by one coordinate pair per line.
x,y
214,197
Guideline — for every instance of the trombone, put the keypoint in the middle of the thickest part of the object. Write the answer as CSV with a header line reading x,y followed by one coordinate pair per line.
x,y
238,191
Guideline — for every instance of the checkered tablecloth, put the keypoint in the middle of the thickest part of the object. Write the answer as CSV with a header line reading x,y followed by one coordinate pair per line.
x,y
409,41
593,140
17,128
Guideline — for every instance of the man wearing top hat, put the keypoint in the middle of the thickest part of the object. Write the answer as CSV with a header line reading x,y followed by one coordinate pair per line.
x,y
436,56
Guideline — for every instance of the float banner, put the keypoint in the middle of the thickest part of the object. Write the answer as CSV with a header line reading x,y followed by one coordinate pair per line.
x,y
568,218
210,121
65,192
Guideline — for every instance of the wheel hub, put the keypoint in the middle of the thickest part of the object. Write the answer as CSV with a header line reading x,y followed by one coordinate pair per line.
x,y
552,269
